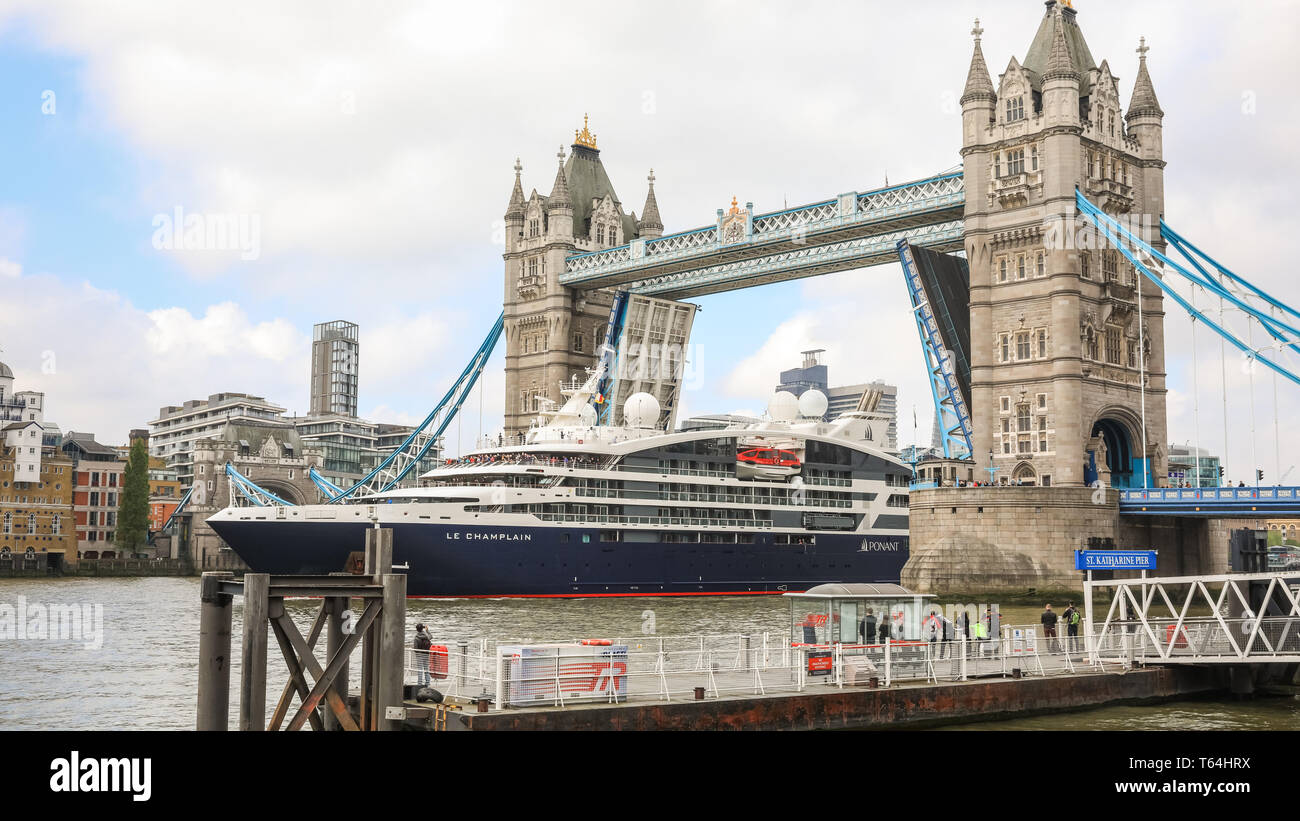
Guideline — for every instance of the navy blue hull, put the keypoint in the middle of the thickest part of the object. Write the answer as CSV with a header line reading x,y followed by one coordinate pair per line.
x,y
468,561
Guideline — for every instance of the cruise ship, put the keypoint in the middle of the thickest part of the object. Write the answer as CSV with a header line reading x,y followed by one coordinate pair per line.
x,y
577,509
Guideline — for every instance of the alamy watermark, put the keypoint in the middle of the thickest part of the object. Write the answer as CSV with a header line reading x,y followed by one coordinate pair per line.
x,y
25,621
181,231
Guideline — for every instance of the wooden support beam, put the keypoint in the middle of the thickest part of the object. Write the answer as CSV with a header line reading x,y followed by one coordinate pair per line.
x,y
322,690
252,682
213,711
335,606
297,680
286,695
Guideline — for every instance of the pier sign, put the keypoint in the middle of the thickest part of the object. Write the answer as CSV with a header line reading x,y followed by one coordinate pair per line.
x,y
1114,560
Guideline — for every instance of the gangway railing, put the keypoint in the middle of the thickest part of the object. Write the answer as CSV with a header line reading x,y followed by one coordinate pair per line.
x,y
1254,618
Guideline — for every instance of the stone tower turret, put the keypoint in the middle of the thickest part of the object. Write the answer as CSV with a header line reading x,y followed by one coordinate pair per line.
x,y
1058,354
552,332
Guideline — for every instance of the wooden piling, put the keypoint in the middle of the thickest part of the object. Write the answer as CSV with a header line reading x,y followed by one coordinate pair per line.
x,y
213,711
392,640
252,680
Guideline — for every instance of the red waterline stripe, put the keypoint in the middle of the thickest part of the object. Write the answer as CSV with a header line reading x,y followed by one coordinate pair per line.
x,y
611,595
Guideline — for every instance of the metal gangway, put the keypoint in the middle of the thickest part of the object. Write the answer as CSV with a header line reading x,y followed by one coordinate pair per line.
x,y
1231,618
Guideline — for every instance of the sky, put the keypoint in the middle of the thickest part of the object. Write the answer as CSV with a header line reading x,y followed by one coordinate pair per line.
x,y
363,154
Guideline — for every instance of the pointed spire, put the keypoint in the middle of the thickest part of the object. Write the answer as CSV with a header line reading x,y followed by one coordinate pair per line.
x,y
650,222
1059,62
1144,99
559,197
516,207
978,83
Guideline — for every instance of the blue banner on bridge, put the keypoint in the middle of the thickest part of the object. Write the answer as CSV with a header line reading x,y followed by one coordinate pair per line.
x,y
1114,560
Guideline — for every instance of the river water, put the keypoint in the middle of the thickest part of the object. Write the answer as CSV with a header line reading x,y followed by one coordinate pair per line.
x,y
143,673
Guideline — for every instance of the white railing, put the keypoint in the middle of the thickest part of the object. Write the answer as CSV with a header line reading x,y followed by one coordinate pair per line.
x,y
664,668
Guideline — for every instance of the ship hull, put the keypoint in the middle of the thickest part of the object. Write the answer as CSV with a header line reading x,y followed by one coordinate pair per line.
x,y
459,561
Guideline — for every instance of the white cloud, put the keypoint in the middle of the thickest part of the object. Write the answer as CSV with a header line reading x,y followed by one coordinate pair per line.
x,y
375,145
10,269
224,330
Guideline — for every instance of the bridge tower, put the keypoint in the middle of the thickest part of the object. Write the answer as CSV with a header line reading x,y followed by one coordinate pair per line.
x,y
1059,347
552,332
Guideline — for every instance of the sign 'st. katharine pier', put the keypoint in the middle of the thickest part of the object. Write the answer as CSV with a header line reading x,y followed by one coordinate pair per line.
x,y
1115,560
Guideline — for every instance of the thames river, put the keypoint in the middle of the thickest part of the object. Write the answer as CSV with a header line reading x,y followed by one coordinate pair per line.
x,y
142,674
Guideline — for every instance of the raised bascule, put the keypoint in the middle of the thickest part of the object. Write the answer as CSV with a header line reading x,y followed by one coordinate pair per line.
x,y
1038,274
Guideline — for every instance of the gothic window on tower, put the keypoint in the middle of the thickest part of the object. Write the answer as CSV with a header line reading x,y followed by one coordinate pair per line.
x,y
1020,266
1042,443
1005,344
1109,266
1016,162
1042,343
532,267
1113,345
1024,445
532,227
578,344
1042,401
1040,264
1022,417
1005,404
600,233
1085,265
1002,269
1015,108
1033,158
1132,354
1090,345
1022,347
1111,119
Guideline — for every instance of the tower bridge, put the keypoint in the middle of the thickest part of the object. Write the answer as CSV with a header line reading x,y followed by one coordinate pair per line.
x,y
1046,357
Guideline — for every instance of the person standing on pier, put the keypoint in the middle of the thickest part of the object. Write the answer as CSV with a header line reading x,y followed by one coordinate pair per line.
x,y
1049,625
1072,619
423,641
884,628
868,627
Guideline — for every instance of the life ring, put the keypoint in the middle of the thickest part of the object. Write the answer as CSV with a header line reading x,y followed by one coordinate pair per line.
x,y
596,642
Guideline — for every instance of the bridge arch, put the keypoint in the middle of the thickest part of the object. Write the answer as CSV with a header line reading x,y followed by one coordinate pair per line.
x,y
288,491
1024,474
1119,429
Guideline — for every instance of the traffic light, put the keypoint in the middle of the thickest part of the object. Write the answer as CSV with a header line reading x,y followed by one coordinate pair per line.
x,y
1220,471
1259,475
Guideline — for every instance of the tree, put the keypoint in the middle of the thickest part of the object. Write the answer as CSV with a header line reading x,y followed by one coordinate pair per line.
x,y
133,515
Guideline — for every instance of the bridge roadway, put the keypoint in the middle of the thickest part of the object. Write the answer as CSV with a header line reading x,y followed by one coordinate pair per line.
x,y
852,230
1210,501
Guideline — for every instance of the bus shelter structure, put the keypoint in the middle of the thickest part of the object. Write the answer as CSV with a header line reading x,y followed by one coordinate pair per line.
x,y
834,613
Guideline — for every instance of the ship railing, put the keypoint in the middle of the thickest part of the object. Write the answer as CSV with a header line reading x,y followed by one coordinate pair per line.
x,y
726,498
604,518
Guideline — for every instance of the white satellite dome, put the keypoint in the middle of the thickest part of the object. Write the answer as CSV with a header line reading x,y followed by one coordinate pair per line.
x,y
813,404
783,407
587,415
641,410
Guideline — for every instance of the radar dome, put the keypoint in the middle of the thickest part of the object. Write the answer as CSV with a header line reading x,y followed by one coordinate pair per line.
x,y
641,410
783,406
587,415
813,404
